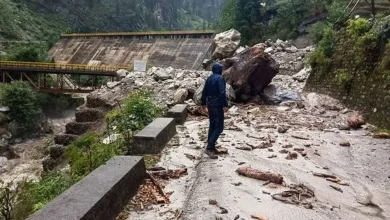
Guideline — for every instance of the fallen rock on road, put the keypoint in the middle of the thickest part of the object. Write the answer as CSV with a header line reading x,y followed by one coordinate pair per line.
x,y
256,174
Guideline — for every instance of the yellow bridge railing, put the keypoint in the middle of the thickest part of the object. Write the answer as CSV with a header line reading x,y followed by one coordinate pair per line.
x,y
56,66
208,32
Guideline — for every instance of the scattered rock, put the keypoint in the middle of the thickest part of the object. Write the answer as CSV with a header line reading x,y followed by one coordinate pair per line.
x,y
298,136
292,156
247,148
284,151
356,120
302,75
336,188
287,146
259,217
256,174
180,95
226,43
298,149
111,85
344,127
282,129
345,144
213,202
303,153
237,184
122,73
382,135
189,156
274,95
272,156
297,195
223,210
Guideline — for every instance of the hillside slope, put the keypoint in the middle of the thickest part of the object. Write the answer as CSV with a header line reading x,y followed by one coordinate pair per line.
x,y
36,19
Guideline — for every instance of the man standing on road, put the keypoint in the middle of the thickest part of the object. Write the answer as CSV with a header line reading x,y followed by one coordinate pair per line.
x,y
214,96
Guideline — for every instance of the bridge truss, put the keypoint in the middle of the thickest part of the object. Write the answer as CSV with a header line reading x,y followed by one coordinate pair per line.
x,y
57,78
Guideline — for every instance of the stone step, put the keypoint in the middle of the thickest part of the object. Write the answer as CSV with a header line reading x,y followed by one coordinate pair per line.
x,y
88,114
64,139
99,196
79,128
154,137
179,113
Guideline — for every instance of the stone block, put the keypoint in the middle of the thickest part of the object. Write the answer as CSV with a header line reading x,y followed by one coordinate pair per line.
x,y
79,128
64,139
154,137
89,115
99,196
179,113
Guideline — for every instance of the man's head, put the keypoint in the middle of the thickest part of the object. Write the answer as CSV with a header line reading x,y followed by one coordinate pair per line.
x,y
217,68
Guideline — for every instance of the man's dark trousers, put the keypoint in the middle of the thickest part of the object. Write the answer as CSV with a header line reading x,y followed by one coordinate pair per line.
x,y
216,117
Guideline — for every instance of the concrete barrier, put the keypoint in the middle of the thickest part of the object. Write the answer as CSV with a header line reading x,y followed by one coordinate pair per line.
x,y
179,113
154,137
99,196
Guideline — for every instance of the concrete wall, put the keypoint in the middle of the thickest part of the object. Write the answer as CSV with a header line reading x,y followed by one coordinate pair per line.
x,y
99,196
359,75
181,51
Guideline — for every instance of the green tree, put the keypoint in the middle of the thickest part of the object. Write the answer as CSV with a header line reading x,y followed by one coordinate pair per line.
x,y
23,104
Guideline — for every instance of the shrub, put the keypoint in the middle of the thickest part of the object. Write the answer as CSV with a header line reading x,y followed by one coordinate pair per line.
x,y
23,104
87,153
357,27
31,53
138,110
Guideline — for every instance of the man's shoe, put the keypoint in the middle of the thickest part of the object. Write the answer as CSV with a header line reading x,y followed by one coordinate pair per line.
x,y
211,154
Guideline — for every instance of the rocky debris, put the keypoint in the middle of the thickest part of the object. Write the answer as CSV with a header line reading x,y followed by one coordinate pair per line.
x,y
292,156
259,217
247,148
223,210
180,96
345,144
282,129
79,128
56,151
64,139
296,195
284,151
302,75
299,136
272,156
49,164
96,100
314,101
88,114
356,120
336,188
331,178
250,72
382,135
189,156
213,202
226,43
256,174
160,74
169,174
112,85
122,73
239,50
273,95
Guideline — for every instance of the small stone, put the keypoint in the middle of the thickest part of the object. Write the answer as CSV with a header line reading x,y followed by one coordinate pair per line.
x,y
282,129
303,153
241,163
345,144
287,146
213,202
237,184
292,156
270,150
237,217
272,156
284,151
223,210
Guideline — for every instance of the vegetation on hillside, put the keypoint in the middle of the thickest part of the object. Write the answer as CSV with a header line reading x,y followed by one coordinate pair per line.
x,y
285,19
46,19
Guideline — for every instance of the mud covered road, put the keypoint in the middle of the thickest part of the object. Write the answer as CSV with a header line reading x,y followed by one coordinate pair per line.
x,y
313,132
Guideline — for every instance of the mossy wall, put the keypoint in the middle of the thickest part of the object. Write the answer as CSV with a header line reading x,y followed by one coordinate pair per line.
x,y
357,73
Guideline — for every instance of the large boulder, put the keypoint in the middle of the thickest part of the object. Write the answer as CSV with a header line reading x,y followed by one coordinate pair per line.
x,y
274,95
230,94
160,74
250,72
226,43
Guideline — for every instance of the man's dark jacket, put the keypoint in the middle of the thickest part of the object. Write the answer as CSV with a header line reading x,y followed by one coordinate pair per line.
x,y
214,91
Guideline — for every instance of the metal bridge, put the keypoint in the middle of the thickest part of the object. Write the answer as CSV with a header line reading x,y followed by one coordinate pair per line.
x,y
57,78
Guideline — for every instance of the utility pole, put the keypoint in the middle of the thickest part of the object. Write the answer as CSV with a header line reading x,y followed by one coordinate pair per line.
x,y
373,10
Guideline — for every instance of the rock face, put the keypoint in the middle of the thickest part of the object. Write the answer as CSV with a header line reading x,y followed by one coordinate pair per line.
x,y
274,95
250,72
226,43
